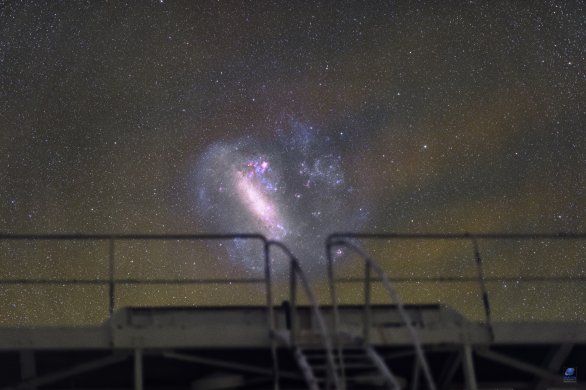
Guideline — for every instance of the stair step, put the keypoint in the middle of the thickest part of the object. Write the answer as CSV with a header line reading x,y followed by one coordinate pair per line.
x,y
345,353
345,357
347,366
316,352
322,350
361,379
376,379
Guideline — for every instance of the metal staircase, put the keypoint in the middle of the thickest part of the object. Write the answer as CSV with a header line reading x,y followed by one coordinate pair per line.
x,y
371,266
355,363
314,381
363,368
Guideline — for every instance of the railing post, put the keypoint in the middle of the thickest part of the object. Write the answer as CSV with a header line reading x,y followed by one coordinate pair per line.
x,y
271,315
293,300
332,286
335,313
111,297
484,292
367,310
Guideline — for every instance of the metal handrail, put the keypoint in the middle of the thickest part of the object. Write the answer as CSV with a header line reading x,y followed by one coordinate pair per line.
x,y
370,264
112,281
111,239
297,271
459,236
473,238
341,239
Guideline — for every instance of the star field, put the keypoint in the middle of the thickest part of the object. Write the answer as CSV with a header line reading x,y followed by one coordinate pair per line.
x,y
292,120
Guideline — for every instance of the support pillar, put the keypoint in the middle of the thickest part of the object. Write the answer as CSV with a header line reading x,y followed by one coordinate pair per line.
x,y
469,373
138,372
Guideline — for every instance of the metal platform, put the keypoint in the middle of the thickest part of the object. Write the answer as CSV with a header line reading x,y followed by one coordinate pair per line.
x,y
202,342
245,327
292,346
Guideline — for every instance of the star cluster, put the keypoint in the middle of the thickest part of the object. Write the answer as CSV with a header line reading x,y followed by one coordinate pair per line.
x,y
291,188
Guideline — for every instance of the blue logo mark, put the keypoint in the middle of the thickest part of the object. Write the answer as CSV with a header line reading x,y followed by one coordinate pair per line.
x,y
570,375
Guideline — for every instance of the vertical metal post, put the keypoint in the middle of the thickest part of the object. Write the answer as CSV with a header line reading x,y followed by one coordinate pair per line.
x,y
138,371
332,285
367,309
293,300
111,296
268,285
271,316
484,292
335,312
469,373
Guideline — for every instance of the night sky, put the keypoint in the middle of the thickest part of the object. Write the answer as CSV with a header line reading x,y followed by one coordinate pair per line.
x,y
291,119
